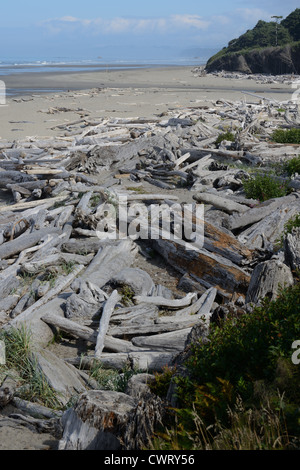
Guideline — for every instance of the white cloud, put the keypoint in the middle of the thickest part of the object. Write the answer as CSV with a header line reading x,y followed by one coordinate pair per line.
x,y
120,25
194,21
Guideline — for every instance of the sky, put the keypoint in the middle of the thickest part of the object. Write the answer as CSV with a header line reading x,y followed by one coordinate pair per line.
x,y
93,28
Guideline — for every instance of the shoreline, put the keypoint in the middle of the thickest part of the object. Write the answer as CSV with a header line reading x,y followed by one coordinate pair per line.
x,y
47,100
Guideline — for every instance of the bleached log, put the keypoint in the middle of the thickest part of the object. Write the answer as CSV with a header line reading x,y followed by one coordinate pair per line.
x,y
11,248
63,284
162,302
209,269
153,328
174,341
258,213
104,322
203,305
77,330
110,259
220,203
291,249
266,280
26,205
270,229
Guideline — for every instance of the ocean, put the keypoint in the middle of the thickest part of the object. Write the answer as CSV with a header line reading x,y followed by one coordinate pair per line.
x,y
11,69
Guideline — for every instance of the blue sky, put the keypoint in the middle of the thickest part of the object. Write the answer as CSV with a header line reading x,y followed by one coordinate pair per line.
x,y
90,28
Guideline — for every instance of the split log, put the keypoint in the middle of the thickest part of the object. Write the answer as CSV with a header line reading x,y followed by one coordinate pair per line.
x,y
139,314
154,328
173,341
209,269
202,306
104,322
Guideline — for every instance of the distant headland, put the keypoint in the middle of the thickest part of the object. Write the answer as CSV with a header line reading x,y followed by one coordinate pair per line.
x,y
270,47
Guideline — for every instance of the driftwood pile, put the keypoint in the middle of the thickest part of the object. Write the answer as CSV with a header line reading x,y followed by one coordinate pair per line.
x,y
58,275
258,78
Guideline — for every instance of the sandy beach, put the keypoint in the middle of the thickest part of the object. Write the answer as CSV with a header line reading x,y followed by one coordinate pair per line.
x,y
142,92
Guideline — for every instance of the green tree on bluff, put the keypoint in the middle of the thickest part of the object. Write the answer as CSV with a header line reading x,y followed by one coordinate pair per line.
x,y
262,35
292,24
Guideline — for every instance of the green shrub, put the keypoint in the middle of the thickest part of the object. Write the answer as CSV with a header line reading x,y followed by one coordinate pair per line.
x,y
225,136
292,166
293,222
264,187
248,359
290,136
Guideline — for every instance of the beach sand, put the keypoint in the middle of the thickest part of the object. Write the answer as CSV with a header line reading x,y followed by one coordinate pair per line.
x,y
144,92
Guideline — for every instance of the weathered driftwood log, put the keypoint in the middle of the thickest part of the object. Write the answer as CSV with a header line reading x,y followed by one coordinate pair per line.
x,y
162,302
139,314
8,389
153,328
63,284
91,245
270,229
173,341
209,269
138,280
104,322
220,203
13,247
258,213
35,410
62,377
292,249
266,280
202,306
110,259
216,239
105,420
88,334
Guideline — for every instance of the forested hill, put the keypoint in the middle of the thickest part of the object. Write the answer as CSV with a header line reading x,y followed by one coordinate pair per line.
x,y
270,47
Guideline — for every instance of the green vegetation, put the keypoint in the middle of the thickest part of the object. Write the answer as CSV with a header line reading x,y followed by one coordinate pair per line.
x,y
110,379
291,23
242,388
290,136
19,358
292,166
264,34
293,222
265,186
127,295
225,136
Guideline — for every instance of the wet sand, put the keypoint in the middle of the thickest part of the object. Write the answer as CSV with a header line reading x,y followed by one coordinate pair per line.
x,y
145,92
